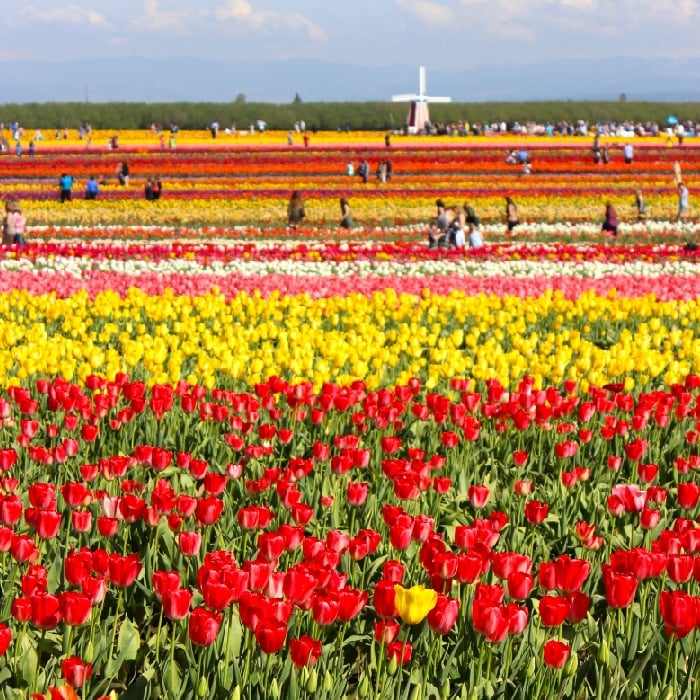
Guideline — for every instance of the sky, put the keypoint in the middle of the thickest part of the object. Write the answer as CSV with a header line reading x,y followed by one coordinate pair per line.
x,y
435,33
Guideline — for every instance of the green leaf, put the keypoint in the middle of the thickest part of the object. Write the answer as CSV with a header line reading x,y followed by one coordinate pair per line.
x,y
128,641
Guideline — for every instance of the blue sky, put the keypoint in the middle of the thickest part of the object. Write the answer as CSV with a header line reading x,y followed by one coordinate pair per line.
x,y
436,33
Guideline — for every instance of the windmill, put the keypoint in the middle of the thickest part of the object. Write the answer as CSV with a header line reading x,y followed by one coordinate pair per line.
x,y
418,114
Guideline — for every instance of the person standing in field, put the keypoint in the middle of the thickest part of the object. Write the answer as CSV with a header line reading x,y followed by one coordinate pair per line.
x,y
640,205
610,221
65,185
295,210
92,188
345,214
511,215
683,201
9,225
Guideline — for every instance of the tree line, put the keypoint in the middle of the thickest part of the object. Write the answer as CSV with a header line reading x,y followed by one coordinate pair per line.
x,y
331,115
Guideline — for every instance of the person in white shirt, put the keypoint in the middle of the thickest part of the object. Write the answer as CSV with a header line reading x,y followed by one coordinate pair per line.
x,y
475,238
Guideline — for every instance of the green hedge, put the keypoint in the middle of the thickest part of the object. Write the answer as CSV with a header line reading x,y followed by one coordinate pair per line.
x,y
329,115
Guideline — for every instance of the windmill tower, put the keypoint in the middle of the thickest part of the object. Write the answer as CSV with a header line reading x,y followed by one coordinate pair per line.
x,y
418,114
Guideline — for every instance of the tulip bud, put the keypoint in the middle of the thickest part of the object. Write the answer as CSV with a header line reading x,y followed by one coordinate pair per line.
x,y
531,668
571,665
416,693
327,682
393,666
364,687
445,690
89,654
312,681
236,693
203,687
274,689
667,693
473,695
604,653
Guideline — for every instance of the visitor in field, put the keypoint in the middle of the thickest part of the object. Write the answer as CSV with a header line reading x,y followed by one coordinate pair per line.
x,y
436,237
148,189
13,224
511,214
381,172
455,231
640,205
363,171
345,214
476,240
123,173
683,201
470,216
157,188
605,155
610,220
8,224
65,186
442,220
295,210
628,152
19,224
92,188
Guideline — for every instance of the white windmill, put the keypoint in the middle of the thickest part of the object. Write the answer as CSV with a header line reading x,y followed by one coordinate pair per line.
x,y
418,114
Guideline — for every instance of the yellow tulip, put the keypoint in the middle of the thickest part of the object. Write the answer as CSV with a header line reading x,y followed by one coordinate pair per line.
x,y
413,604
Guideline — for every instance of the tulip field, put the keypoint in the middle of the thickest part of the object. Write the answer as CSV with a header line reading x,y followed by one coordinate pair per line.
x,y
246,460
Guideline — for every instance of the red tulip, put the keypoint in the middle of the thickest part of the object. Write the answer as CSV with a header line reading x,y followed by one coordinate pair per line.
x,y
123,570
324,609
443,616
619,588
571,573
478,495
21,609
536,512
520,584
357,493
203,626
350,603
46,610
386,631
680,567
164,582
5,638
208,510
75,608
578,606
270,635
553,610
190,543
489,619
75,671
305,651
556,654
176,603
679,613
383,599
399,651
688,495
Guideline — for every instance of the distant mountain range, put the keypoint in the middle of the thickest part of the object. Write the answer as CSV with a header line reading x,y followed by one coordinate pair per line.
x,y
197,80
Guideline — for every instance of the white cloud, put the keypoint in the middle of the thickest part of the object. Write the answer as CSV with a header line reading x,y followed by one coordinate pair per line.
x,y
582,5
155,18
72,14
241,11
425,11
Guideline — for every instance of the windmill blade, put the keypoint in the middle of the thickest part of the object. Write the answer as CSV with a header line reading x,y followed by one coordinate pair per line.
x,y
404,98
438,99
